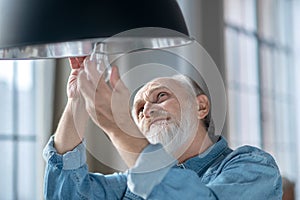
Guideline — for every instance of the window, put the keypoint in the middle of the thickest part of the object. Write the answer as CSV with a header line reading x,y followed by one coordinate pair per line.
x,y
260,78
21,135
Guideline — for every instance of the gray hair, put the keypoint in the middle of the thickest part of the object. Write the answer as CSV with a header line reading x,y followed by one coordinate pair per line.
x,y
197,90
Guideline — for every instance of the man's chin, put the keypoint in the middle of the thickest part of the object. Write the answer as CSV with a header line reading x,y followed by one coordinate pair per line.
x,y
155,130
163,127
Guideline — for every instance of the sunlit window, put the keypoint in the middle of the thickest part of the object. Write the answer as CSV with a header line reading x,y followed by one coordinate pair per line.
x,y
260,78
20,140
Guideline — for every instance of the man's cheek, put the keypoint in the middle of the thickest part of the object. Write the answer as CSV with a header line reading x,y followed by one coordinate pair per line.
x,y
142,127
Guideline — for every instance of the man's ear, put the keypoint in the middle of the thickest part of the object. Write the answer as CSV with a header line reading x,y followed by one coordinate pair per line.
x,y
203,106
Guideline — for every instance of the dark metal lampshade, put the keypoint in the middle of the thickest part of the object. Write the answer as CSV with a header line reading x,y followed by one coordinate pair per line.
x,y
61,28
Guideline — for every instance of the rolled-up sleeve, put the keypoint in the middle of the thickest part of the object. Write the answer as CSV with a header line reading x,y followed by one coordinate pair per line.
x,y
67,177
71,160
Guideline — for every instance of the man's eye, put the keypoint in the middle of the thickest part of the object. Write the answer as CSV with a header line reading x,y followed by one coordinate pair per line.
x,y
140,110
161,96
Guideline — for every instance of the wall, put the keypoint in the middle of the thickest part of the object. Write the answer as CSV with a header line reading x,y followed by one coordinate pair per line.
x,y
205,22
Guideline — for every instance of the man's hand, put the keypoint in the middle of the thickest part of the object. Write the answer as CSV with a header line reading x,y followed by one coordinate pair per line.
x,y
108,106
76,64
71,126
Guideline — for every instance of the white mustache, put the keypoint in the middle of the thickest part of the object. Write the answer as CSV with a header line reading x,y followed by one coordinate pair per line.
x,y
156,115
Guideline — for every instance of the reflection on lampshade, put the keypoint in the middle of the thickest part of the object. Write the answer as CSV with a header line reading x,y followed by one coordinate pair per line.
x,y
32,29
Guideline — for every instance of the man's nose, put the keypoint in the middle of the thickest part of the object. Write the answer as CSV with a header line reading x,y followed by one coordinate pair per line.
x,y
148,109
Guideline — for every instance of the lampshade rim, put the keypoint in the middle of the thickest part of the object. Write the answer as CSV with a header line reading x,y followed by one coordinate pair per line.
x,y
85,47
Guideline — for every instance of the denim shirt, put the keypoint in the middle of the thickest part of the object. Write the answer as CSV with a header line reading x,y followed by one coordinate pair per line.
x,y
218,173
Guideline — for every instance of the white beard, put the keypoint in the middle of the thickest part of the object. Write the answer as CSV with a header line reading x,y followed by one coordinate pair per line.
x,y
174,136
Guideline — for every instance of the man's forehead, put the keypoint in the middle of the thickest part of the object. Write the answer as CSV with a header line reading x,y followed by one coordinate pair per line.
x,y
153,85
156,84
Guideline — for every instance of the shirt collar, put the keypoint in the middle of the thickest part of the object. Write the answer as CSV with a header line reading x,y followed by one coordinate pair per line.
x,y
203,161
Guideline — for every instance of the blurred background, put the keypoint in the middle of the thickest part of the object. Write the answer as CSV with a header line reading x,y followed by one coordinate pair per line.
x,y
254,44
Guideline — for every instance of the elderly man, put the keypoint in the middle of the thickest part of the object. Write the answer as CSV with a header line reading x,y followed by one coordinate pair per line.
x,y
170,150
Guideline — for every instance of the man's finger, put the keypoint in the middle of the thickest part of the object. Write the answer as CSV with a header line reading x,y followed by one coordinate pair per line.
x,y
86,87
115,81
76,62
90,67
114,77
